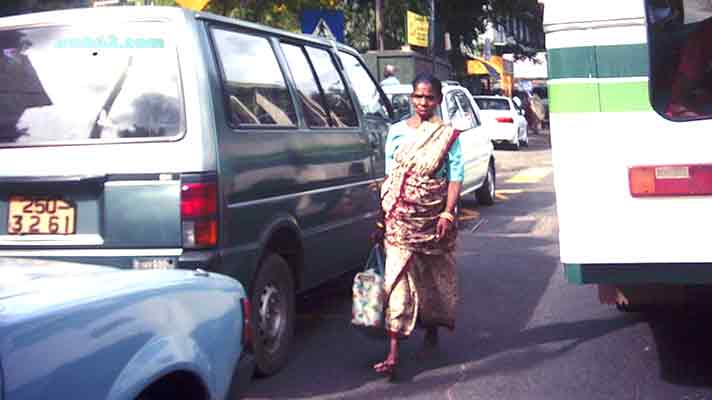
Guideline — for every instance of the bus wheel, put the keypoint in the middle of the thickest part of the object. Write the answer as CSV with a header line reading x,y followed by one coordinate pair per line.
x,y
273,302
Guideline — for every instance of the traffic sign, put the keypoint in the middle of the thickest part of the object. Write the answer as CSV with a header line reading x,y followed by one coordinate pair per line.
x,y
324,23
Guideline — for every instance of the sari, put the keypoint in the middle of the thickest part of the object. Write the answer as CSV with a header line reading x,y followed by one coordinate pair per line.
x,y
420,276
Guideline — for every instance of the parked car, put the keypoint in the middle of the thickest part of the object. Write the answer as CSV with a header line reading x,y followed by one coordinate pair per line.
x,y
506,120
461,111
70,331
146,137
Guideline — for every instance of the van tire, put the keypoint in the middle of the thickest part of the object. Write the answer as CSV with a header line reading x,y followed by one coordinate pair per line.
x,y
273,314
486,194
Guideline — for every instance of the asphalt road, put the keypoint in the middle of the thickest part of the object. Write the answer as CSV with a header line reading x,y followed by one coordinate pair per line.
x,y
523,332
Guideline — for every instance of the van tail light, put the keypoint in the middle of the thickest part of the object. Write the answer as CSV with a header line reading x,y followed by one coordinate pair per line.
x,y
505,120
199,211
246,323
670,180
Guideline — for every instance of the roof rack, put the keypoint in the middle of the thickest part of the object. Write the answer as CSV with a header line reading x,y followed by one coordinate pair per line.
x,y
451,83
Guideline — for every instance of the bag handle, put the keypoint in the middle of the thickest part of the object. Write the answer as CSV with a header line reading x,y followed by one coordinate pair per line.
x,y
376,258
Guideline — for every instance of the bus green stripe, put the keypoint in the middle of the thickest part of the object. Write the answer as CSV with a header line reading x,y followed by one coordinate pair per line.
x,y
599,97
618,61
573,97
572,62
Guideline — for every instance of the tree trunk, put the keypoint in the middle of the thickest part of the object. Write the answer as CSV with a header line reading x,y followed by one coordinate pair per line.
x,y
379,24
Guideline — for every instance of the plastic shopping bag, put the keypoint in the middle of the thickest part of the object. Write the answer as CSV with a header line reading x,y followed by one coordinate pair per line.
x,y
369,296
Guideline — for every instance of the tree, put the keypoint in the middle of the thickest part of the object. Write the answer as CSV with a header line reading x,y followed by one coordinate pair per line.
x,y
465,19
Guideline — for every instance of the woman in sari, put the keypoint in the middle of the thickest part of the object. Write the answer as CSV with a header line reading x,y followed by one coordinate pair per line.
x,y
424,175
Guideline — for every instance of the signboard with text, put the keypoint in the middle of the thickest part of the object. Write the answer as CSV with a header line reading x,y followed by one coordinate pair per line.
x,y
418,29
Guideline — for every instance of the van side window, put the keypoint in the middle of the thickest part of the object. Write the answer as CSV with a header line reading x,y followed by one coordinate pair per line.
x,y
310,96
370,98
680,58
255,89
341,109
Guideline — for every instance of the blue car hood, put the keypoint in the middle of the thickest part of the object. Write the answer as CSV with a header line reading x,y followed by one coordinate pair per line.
x,y
29,286
24,276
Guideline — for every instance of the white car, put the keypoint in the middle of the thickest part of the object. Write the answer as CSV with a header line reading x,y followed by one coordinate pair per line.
x,y
505,118
461,111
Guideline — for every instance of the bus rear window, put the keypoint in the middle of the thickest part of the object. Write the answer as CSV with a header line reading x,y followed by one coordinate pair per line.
x,y
68,85
680,58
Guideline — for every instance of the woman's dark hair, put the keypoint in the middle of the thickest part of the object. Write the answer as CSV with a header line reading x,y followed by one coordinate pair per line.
x,y
428,78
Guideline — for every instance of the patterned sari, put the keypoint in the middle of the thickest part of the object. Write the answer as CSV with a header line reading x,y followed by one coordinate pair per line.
x,y
420,270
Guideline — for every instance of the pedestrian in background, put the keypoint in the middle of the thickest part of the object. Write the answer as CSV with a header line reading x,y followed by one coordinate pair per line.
x,y
389,74
424,176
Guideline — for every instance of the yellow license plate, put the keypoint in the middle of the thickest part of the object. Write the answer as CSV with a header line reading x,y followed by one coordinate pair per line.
x,y
40,216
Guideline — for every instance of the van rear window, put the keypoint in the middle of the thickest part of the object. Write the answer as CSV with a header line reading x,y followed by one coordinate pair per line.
x,y
70,85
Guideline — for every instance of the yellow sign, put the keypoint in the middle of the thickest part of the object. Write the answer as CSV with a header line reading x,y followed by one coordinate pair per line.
x,y
418,29
475,67
195,5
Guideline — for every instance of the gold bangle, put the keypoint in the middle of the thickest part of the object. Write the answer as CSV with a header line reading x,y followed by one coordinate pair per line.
x,y
448,216
380,225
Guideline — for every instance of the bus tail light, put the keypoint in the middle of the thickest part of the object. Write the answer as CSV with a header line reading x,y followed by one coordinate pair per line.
x,y
670,180
199,212
505,120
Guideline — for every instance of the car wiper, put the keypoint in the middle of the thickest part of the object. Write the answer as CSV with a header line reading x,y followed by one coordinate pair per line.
x,y
97,127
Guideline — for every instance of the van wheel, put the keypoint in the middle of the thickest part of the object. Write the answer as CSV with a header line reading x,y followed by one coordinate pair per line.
x,y
273,309
486,193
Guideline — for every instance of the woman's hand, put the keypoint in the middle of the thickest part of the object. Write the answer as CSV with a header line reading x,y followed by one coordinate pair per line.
x,y
442,228
444,224
378,234
379,231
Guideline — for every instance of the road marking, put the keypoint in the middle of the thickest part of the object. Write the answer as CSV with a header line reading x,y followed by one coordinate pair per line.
x,y
502,194
466,215
530,175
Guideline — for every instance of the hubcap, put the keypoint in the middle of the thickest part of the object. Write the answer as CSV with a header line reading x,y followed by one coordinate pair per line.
x,y
271,316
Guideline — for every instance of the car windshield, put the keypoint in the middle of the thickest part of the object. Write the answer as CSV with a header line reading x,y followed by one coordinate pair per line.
x,y
60,84
492,104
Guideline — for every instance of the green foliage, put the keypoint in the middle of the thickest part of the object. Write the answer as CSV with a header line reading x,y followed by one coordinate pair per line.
x,y
279,14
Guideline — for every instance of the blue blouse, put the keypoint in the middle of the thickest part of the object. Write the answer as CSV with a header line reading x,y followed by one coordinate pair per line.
x,y
401,133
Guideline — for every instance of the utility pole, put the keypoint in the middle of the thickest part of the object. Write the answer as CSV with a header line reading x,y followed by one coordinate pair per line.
x,y
431,34
379,24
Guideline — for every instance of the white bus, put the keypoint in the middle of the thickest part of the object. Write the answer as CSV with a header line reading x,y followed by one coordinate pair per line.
x,y
632,166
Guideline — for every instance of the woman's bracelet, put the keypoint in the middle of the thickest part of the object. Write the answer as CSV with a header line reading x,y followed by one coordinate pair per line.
x,y
448,216
380,225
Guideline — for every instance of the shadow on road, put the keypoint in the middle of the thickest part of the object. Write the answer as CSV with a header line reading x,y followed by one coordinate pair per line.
x,y
684,346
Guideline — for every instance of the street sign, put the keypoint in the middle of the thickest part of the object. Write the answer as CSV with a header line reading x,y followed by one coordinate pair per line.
x,y
418,29
195,5
324,23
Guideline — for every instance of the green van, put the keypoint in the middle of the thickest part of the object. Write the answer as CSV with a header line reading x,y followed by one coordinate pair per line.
x,y
152,137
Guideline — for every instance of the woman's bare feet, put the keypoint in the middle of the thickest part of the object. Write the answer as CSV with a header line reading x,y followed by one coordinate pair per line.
x,y
388,366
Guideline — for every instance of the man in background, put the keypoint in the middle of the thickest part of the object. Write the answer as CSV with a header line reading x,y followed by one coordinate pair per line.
x,y
389,75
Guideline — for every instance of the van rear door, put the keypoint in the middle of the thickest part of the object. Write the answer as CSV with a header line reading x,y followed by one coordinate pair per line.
x,y
86,116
